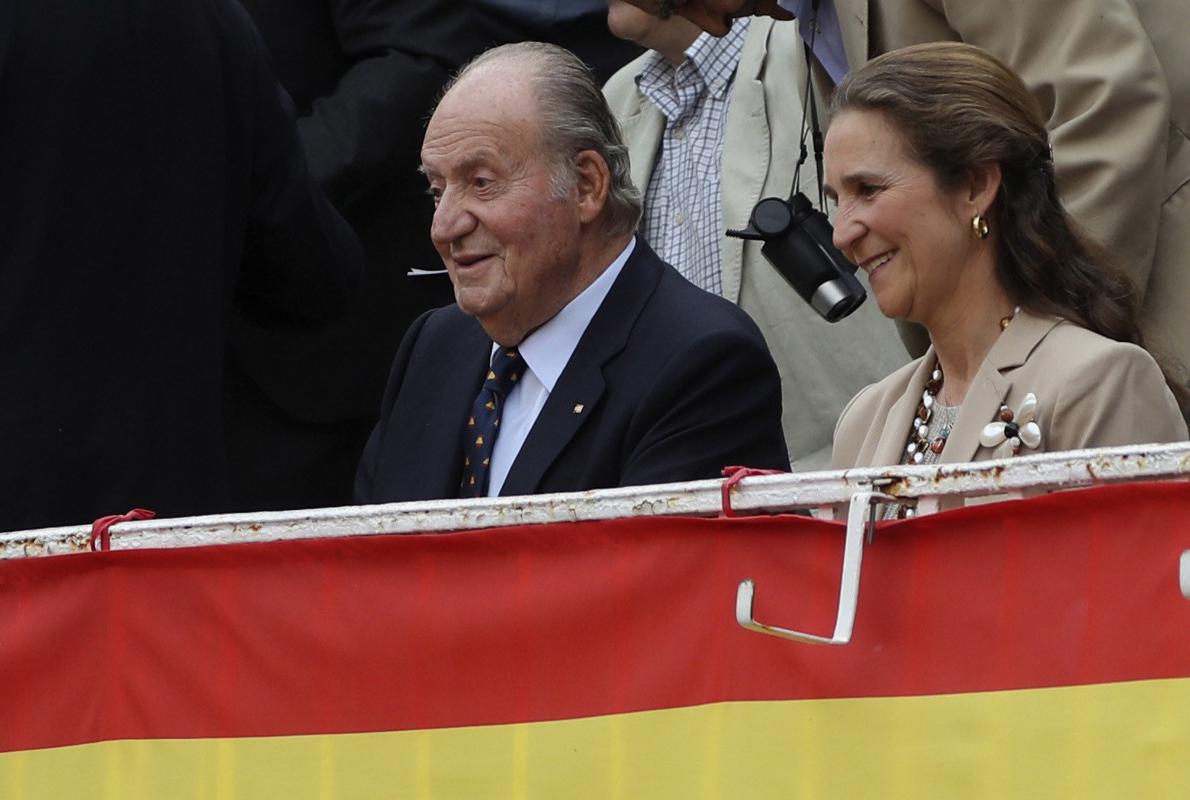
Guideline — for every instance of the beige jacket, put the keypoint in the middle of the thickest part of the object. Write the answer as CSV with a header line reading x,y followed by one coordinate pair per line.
x,y
822,365
1091,392
1113,78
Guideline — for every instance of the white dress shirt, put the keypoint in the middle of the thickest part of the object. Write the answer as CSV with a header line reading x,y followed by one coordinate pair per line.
x,y
546,352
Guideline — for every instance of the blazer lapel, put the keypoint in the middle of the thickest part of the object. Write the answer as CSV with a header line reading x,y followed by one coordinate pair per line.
x,y
980,406
992,383
438,447
890,449
642,130
580,387
578,391
742,177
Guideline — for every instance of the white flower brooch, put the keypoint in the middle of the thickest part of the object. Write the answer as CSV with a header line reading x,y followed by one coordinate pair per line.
x,y
1012,431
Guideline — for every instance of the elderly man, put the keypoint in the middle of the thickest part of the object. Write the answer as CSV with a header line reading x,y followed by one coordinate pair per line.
x,y
299,404
573,358
1113,77
698,115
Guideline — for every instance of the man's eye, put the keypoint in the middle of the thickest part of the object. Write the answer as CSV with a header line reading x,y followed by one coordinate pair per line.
x,y
435,194
481,182
868,189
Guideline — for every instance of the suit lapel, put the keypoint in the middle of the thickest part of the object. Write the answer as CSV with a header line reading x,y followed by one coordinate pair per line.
x,y
645,125
580,387
993,383
980,406
741,179
890,449
575,396
439,446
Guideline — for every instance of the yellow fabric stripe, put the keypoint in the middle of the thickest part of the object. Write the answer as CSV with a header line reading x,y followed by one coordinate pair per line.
x,y
1105,741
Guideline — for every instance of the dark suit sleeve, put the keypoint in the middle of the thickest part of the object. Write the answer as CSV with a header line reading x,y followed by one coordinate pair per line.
x,y
301,259
717,403
365,476
368,131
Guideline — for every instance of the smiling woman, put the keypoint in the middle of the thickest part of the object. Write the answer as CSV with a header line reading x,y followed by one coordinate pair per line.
x,y
909,233
938,158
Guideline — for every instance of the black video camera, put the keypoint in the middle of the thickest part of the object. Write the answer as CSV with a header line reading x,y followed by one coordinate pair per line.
x,y
798,243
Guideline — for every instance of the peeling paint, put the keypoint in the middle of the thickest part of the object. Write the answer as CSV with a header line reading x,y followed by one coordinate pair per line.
x,y
760,494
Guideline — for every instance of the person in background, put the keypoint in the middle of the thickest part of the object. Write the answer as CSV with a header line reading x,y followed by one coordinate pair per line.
x,y
940,162
573,358
364,77
1112,79
147,153
710,134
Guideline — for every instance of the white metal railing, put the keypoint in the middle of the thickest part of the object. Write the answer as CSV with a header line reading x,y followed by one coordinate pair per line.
x,y
923,486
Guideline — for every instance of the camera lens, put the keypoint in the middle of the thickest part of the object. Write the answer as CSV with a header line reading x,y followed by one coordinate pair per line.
x,y
772,216
798,243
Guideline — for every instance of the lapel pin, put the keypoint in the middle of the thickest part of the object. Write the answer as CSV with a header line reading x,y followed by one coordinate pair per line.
x,y
578,408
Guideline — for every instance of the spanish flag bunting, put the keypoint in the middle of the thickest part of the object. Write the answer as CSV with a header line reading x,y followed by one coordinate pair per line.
x,y
1028,649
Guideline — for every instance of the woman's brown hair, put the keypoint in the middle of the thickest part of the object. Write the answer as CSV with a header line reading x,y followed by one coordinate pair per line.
x,y
957,106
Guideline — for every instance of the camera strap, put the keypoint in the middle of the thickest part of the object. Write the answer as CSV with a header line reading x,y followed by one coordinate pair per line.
x,y
810,125
817,138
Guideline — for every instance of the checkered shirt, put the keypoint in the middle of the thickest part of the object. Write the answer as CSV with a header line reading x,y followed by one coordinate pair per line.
x,y
683,219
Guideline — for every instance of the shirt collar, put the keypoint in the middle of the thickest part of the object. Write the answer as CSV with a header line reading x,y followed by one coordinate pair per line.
x,y
548,349
715,58
710,63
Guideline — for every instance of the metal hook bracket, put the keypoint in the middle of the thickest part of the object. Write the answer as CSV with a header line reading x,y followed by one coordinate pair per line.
x,y
1184,574
859,521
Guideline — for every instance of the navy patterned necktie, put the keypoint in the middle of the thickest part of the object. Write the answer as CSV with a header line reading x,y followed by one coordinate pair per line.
x,y
483,424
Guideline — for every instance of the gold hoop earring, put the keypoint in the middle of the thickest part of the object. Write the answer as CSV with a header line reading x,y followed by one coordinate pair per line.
x,y
980,226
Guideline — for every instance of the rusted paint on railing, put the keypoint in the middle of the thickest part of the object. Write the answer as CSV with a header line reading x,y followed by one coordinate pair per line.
x,y
761,494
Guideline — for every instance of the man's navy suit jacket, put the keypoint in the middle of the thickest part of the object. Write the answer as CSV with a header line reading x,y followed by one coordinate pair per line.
x,y
668,383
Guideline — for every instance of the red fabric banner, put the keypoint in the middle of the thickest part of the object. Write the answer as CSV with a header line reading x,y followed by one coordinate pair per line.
x,y
555,622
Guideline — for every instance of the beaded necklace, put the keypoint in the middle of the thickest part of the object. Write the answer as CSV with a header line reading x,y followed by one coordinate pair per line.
x,y
923,447
931,428
920,441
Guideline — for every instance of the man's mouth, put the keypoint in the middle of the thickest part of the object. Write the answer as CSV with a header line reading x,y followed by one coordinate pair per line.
x,y
468,259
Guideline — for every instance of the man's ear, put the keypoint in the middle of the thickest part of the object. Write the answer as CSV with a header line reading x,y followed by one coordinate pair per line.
x,y
593,181
984,185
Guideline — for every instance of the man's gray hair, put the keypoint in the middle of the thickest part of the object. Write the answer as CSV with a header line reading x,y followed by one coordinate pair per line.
x,y
574,117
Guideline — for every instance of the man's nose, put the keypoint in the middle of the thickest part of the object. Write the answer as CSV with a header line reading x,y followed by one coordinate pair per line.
x,y
452,220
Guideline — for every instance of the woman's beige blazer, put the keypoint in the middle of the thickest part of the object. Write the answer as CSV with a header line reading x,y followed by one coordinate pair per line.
x,y
1091,392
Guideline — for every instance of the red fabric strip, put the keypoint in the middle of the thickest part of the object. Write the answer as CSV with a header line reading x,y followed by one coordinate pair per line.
x,y
565,621
101,529
734,475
